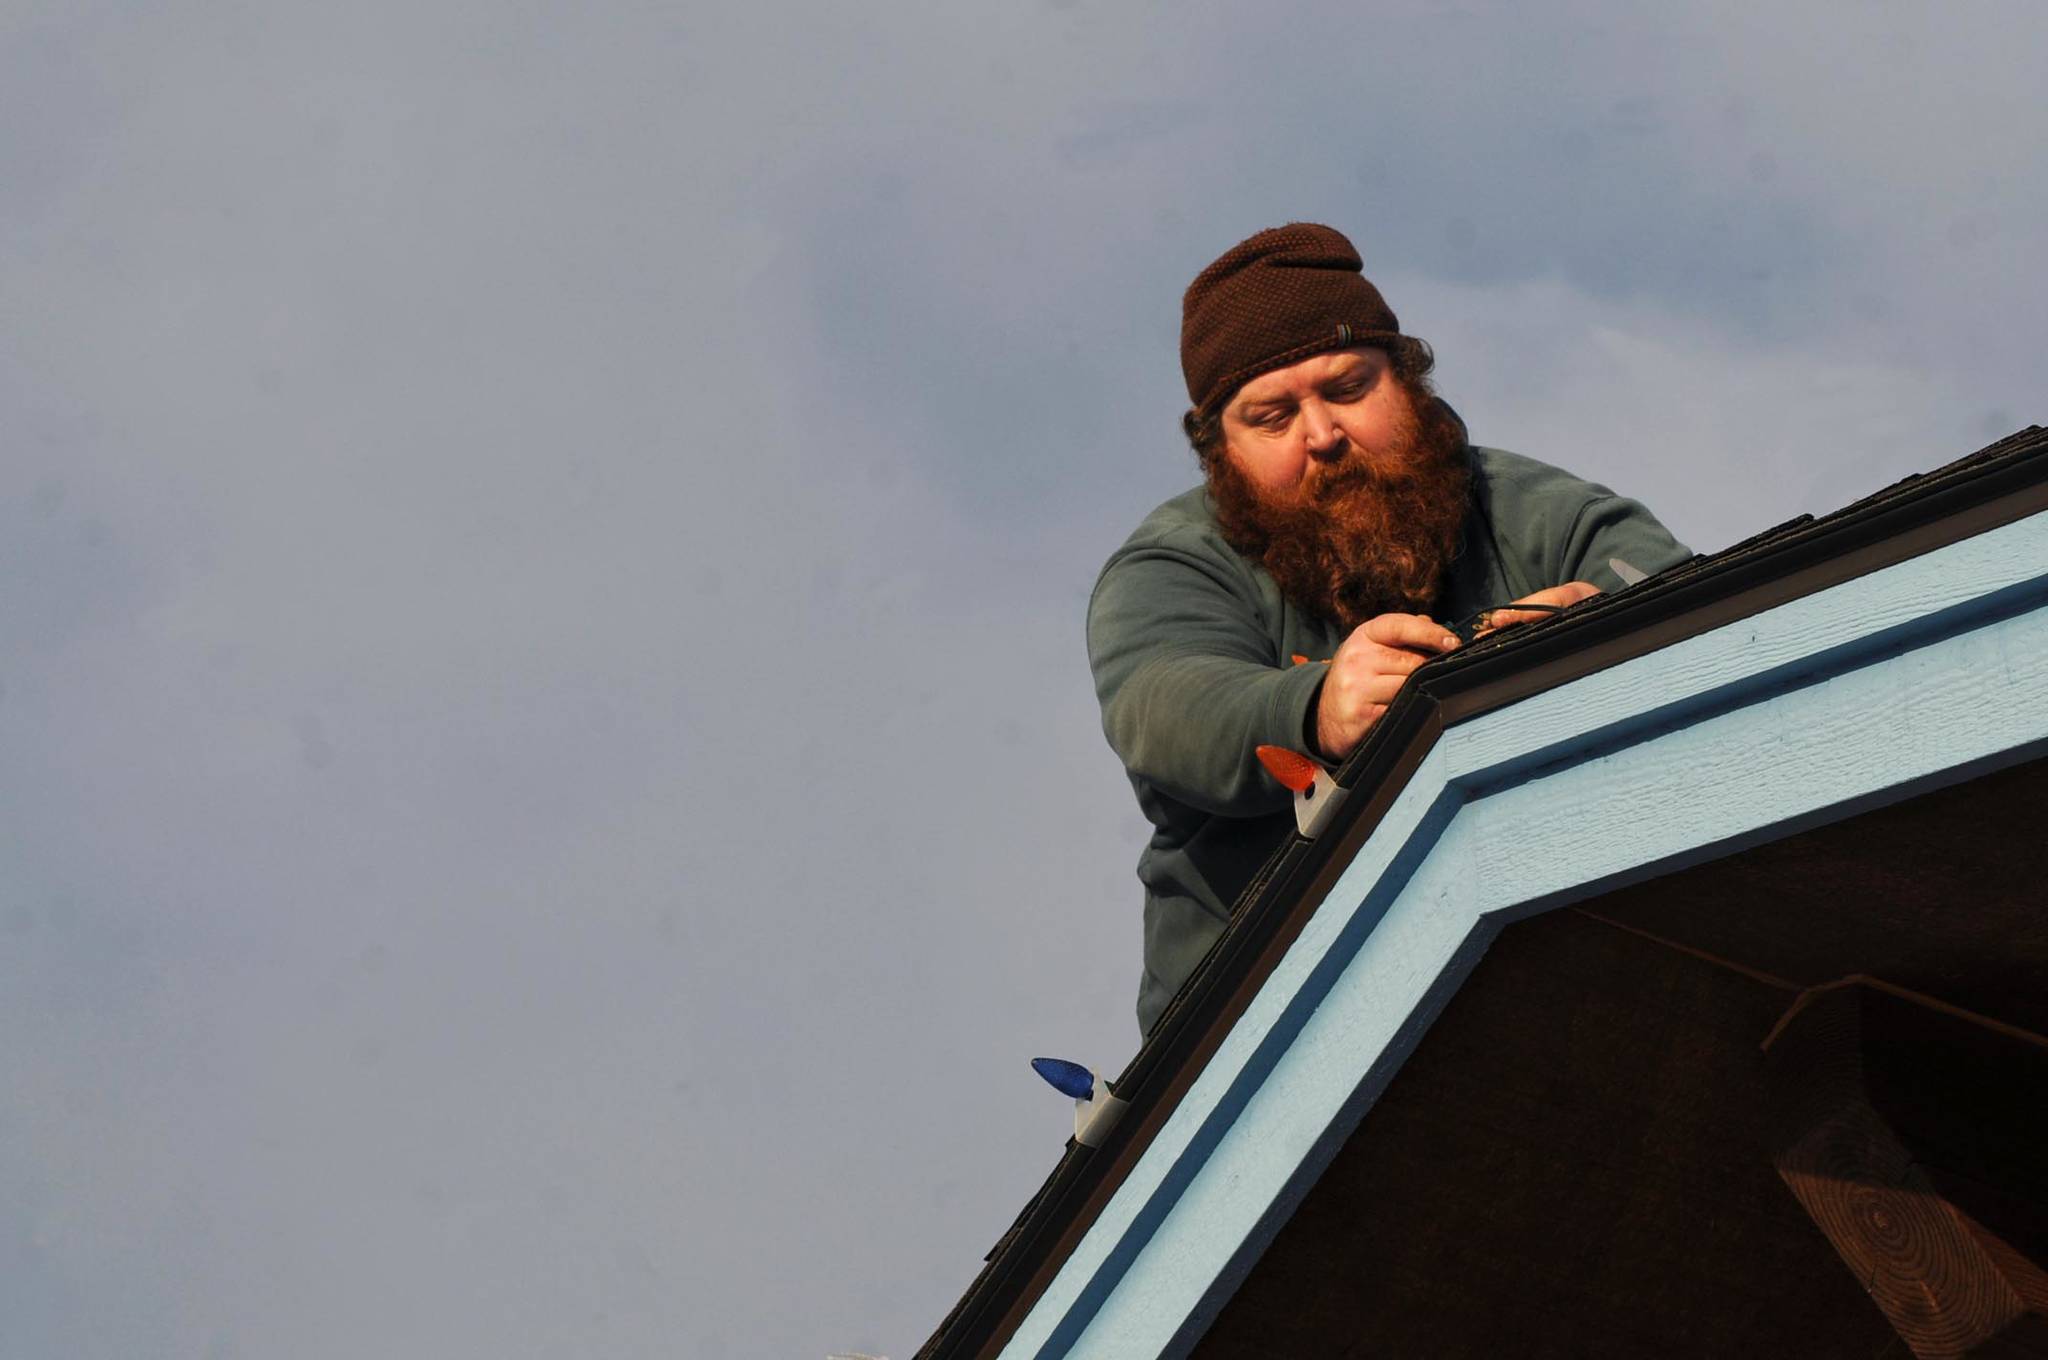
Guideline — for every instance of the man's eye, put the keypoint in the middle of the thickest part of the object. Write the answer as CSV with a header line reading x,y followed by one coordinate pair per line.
x,y
1351,391
1272,420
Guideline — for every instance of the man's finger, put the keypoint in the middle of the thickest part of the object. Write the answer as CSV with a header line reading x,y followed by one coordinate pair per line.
x,y
1395,660
1409,630
1570,593
1372,659
1502,617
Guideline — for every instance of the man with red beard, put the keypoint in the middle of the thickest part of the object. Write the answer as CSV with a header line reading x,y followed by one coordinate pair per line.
x,y
1344,516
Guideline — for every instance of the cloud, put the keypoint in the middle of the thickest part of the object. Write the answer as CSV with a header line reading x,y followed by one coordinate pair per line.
x,y
1695,420
550,756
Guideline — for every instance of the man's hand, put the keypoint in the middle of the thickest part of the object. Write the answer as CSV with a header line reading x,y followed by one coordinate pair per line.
x,y
1367,671
1571,592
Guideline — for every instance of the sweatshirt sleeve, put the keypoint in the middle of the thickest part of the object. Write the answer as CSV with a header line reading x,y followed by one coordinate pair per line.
x,y
1614,526
1188,683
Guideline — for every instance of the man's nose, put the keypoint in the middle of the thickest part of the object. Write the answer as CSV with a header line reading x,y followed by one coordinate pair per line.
x,y
1325,440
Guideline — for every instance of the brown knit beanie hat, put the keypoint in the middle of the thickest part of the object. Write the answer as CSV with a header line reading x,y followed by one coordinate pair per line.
x,y
1272,300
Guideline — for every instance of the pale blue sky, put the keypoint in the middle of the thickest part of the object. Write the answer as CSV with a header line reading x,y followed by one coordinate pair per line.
x,y
550,777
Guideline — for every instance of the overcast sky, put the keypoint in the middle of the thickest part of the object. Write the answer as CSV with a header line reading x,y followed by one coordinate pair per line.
x,y
550,780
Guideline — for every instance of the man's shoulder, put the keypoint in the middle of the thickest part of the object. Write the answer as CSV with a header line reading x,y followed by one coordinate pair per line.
x,y
1502,474
1549,525
1180,542
1186,523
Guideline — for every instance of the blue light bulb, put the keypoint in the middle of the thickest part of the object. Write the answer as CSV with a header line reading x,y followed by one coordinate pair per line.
x,y
1068,1078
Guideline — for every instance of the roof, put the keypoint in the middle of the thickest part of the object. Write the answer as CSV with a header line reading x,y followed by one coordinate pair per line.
x,y
1625,704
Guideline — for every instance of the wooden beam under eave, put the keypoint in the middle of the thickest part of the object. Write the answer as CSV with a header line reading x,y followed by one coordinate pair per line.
x,y
1911,1133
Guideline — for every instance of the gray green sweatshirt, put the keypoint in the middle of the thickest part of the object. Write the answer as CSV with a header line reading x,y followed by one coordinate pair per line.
x,y
1191,644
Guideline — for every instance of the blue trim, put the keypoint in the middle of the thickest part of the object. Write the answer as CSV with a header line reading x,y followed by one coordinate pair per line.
x,y
1813,669
1240,1092
1706,852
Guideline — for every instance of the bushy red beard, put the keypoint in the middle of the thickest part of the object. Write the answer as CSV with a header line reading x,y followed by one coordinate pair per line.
x,y
1371,533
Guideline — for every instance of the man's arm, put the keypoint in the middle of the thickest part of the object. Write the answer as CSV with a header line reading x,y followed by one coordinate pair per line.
x,y
1615,526
1186,676
1189,690
1605,526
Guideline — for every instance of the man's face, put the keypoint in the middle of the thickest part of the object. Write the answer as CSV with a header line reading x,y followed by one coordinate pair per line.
x,y
1348,484
1285,429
